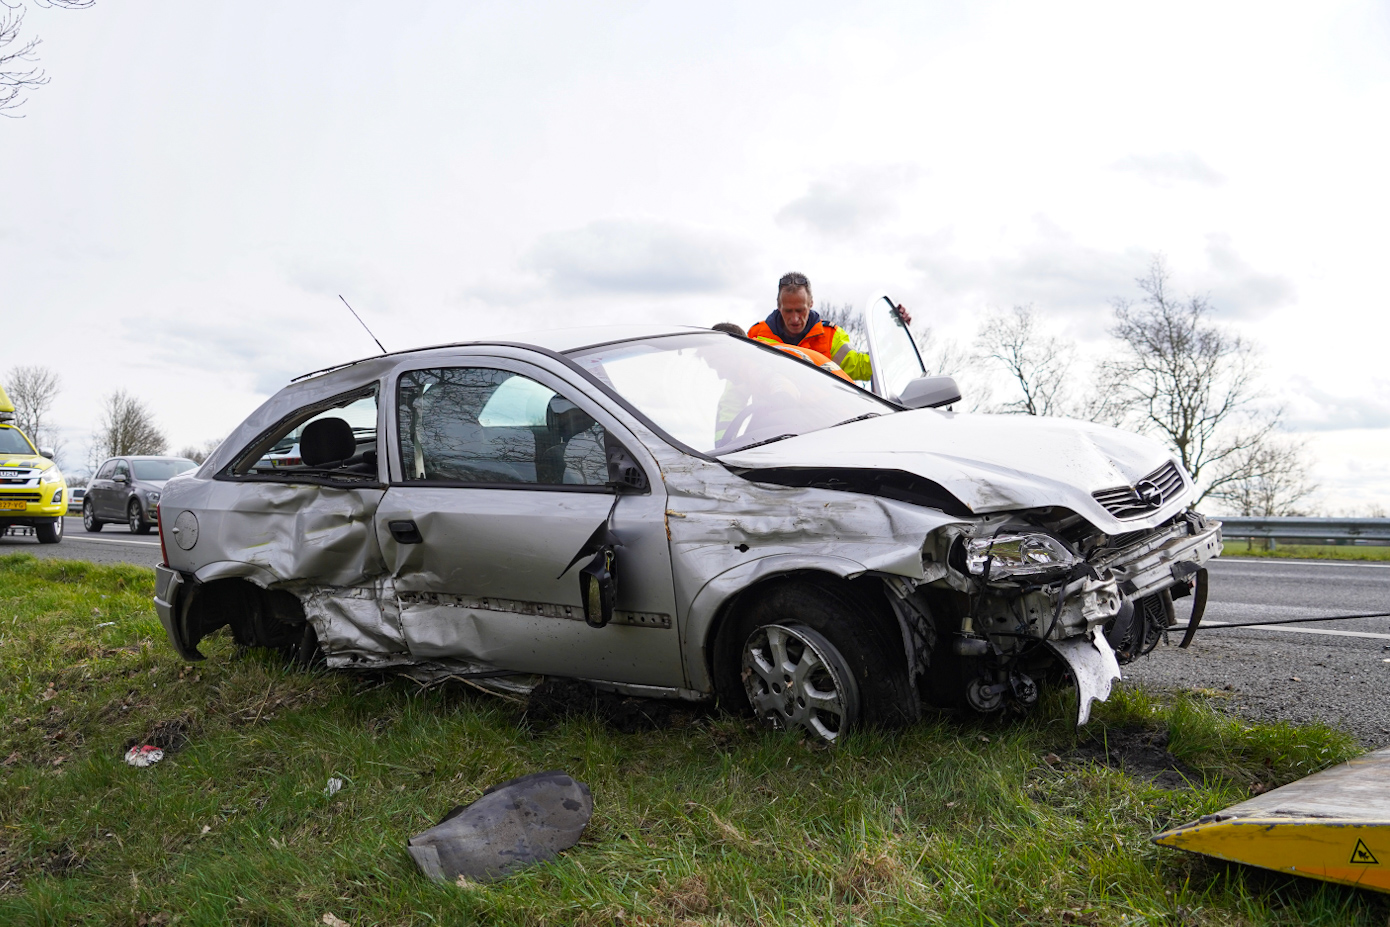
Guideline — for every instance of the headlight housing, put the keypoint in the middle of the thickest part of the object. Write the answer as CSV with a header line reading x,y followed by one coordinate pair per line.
x,y
51,475
1021,555
153,497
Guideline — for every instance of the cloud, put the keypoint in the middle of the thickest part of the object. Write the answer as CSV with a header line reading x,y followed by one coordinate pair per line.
x,y
1170,168
1310,408
1236,288
1051,270
640,257
850,202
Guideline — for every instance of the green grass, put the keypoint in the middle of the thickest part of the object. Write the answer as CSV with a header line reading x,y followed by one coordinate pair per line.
x,y
710,822
1241,548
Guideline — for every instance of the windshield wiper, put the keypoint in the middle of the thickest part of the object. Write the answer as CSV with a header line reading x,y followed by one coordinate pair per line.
x,y
763,441
857,418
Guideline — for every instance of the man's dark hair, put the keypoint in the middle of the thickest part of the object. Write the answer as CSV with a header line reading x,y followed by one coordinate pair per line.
x,y
793,281
729,328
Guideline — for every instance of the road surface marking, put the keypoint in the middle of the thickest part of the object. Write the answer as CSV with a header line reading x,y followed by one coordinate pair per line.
x,y
1272,626
1275,561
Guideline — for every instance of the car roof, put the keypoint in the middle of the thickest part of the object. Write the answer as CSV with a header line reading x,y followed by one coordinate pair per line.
x,y
560,340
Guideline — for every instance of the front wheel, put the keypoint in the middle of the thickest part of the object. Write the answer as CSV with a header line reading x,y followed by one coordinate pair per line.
x,y
138,525
50,533
89,517
810,655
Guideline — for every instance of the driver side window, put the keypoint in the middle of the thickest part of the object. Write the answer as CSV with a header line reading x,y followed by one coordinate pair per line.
x,y
481,425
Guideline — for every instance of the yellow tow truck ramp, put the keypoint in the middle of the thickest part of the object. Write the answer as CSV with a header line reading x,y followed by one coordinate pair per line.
x,y
1333,825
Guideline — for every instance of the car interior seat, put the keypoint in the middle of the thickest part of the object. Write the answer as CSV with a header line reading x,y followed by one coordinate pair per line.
x,y
329,444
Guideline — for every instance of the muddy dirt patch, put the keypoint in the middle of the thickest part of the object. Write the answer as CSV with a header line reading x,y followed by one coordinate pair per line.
x,y
1137,752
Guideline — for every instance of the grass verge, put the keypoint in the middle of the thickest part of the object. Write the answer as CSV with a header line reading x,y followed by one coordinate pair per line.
x,y
1239,548
707,822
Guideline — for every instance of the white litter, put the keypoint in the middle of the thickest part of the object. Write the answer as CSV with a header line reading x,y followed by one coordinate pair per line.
x,y
335,785
144,756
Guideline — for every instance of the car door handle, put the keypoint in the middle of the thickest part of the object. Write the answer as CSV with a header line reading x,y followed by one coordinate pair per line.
x,y
405,532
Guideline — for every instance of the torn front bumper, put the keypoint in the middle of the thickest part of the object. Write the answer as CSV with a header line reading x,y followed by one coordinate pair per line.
x,y
1164,558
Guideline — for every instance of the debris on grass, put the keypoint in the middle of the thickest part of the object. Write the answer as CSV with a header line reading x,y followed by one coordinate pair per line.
x,y
513,825
334,786
142,756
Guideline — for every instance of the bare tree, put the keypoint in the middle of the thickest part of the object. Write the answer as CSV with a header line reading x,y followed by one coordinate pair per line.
x,y
1270,478
1036,362
200,452
844,316
32,390
127,427
1186,379
19,72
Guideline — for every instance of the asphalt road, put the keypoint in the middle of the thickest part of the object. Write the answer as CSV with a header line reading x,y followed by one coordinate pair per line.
x,y
113,544
1337,672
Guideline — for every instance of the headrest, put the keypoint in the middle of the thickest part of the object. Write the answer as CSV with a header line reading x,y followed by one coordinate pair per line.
x,y
566,419
325,441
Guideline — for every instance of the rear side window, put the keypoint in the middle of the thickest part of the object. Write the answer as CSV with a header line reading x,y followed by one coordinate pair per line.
x,y
107,470
333,441
480,425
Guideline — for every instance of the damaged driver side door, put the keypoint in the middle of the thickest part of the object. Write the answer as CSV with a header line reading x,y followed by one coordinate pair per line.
x,y
501,482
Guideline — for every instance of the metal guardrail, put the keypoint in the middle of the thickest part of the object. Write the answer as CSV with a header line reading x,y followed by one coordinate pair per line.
x,y
1315,529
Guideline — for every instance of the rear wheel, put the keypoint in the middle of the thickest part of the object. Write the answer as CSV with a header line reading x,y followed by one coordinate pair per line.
x,y
806,654
50,533
137,523
89,517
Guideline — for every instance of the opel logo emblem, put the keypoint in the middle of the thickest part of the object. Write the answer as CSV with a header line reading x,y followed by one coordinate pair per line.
x,y
1149,494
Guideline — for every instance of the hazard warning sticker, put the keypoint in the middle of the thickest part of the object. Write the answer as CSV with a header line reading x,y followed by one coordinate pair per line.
x,y
1362,856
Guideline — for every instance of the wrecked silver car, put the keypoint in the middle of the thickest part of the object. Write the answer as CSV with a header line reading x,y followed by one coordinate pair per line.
x,y
681,513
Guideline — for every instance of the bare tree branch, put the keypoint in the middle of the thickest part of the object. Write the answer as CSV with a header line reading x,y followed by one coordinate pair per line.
x,y
1187,380
18,75
1037,363
1269,478
127,427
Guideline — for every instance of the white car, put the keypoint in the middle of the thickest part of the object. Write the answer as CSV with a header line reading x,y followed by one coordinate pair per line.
x,y
682,513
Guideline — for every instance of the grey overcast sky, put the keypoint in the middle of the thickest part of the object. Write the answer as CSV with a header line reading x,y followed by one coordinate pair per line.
x,y
183,202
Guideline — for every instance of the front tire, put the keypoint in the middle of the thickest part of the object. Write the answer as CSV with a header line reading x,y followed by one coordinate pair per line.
x,y
809,655
89,517
138,525
51,533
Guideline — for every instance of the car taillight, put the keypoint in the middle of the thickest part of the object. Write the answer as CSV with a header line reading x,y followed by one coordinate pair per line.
x,y
163,551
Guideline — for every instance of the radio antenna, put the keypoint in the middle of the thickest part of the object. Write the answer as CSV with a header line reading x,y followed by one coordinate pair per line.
x,y
363,324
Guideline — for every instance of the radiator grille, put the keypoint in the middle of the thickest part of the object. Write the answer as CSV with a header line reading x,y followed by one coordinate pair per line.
x,y
1126,502
26,496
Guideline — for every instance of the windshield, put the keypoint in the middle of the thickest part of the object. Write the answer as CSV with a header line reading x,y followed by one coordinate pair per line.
x,y
161,469
12,442
896,361
717,394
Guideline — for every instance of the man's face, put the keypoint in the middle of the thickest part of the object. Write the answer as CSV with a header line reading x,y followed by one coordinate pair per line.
x,y
795,306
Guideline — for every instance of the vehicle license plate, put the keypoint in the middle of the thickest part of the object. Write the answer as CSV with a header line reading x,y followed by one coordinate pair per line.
x,y
12,504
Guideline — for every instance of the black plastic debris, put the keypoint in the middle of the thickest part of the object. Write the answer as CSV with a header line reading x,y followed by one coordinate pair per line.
x,y
514,824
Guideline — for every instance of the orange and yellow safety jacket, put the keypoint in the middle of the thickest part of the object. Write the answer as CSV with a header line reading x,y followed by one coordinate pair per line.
x,y
810,357
821,337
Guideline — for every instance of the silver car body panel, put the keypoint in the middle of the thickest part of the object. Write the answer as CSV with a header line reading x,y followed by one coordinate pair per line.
x,y
488,588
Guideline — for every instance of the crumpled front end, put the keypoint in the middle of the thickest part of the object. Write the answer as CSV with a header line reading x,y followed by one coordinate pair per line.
x,y
1010,594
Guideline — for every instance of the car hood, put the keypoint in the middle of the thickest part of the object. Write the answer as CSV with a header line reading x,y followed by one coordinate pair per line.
x,y
991,463
156,485
33,461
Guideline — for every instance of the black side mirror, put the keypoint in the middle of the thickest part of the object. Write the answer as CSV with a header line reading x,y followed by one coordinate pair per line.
x,y
623,473
598,590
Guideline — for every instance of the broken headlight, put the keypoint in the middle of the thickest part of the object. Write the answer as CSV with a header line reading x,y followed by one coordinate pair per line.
x,y
1018,555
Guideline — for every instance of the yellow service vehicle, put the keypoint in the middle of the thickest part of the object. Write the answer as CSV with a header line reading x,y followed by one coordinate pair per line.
x,y
32,489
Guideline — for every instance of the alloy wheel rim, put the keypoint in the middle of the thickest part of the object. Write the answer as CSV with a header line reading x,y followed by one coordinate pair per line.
x,y
87,517
134,519
793,684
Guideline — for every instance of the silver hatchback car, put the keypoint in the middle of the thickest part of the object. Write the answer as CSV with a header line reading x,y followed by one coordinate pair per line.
x,y
685,514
